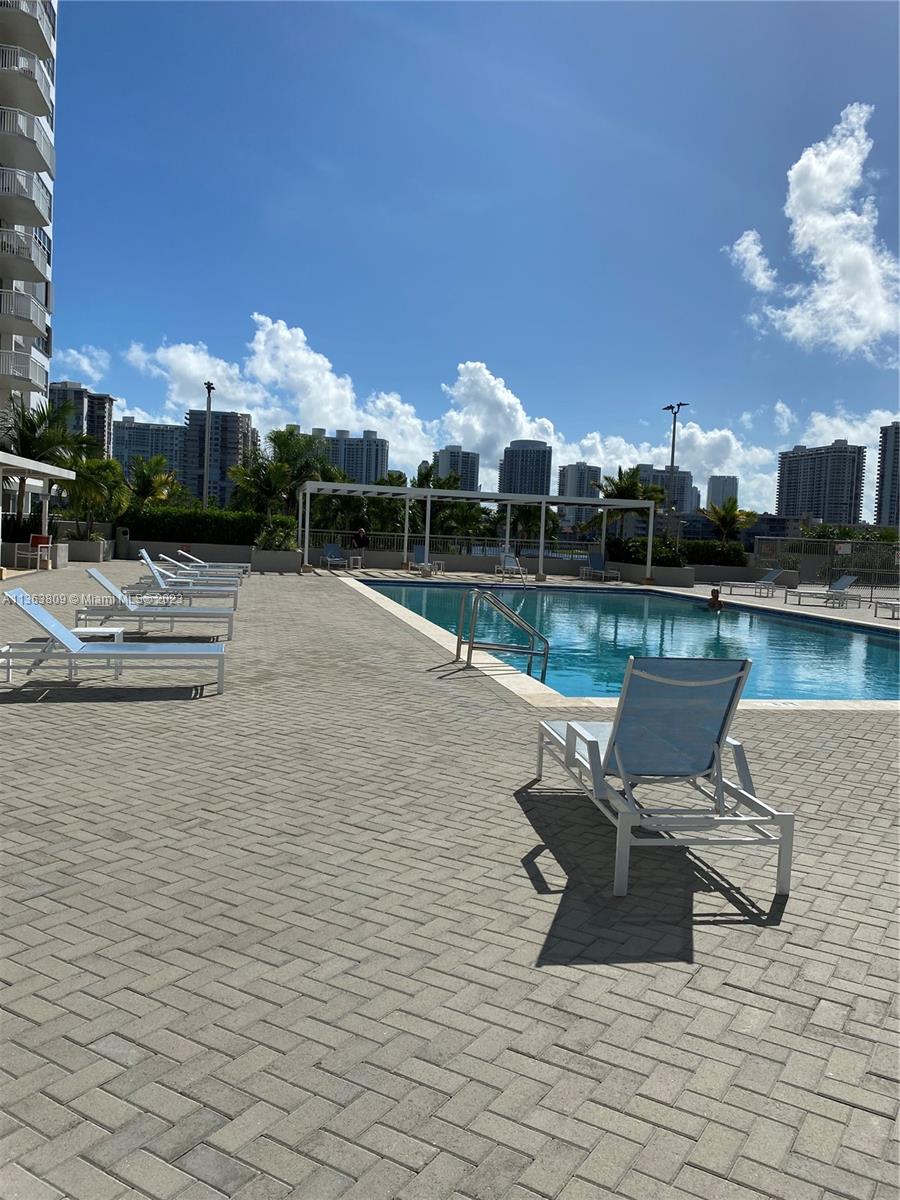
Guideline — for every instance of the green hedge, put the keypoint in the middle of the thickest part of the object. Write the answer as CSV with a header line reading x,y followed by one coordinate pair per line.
x,y
215,526
714,554
634,550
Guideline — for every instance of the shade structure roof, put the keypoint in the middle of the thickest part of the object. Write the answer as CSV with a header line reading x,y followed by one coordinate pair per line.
x,y
317,487
12,464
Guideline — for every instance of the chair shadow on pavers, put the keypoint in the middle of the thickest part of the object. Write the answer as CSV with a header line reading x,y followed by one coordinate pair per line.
x,y
63,691
653,923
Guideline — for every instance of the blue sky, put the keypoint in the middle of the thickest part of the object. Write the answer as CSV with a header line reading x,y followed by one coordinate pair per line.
x,y
479,221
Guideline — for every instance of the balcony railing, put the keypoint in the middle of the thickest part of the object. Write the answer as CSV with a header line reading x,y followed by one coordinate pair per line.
x,y
26,248
477,547
23,62
35,9
17,123
14,365
26,185
25,307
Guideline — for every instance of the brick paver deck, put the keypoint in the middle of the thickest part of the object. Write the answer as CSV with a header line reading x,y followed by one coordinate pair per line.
x,y
317,937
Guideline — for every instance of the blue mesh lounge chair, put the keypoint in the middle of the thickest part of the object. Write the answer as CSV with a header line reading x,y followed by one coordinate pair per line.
x,y
420,562
759,587
63,647
510,565
671,727
166,583
332,556
124,608
596,565
835,595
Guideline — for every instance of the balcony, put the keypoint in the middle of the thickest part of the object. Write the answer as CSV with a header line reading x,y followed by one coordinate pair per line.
x,y
24,143
26,23
23,315
24,82
24,199
21,373
23,257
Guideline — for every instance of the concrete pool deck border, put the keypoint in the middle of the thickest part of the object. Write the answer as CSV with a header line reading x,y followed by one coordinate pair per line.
x,y
540,695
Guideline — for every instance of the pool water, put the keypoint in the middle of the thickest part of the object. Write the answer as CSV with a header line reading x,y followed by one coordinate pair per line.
x,y
593,632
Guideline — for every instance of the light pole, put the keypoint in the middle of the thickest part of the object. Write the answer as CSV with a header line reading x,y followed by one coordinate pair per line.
x,y
210,388
674,409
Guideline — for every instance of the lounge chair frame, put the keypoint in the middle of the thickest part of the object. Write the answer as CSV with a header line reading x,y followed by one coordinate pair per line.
x,y
193,561
510,565
125,608
836,595
732,813
332,556
166,583
603,571
759,587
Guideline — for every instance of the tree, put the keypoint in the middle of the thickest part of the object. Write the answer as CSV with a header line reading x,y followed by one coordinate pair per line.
x,y
624,485
261,482
151,481
98,492
728,519
383,514
304,454
41,433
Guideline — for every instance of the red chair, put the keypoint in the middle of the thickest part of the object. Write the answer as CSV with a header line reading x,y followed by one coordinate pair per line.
x,y
35,551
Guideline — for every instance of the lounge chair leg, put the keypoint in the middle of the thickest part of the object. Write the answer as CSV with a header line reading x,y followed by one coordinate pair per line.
x,y
785,855
623,854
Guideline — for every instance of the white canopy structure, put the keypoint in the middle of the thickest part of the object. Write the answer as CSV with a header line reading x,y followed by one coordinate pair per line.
x,y
315,487
29,468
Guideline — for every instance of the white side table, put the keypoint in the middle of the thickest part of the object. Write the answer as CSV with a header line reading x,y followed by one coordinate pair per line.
x,y
99,631
355,562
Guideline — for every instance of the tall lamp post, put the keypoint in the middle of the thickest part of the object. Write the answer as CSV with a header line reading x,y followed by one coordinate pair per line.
x,y
674,409
210,388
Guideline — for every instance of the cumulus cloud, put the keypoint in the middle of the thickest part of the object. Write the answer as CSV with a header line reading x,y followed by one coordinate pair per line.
x,y
747,255
783,416
88,363
849,303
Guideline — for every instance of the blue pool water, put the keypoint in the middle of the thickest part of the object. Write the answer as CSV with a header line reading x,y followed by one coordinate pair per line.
x,y
593,632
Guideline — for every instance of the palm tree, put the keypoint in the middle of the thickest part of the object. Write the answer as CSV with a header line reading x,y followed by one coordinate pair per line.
x,y
99,490
624,485
261,483
41,433
151,481
728,519
304,454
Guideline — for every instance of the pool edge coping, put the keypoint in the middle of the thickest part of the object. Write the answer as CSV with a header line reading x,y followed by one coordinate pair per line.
x,y
541,695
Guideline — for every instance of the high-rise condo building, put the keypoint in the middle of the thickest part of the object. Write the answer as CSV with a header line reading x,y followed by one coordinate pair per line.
x,y
231,438
525,468
662,477
27,168
578,479
89,412
453,460
721,488
887,492
143,439
362,459
822,481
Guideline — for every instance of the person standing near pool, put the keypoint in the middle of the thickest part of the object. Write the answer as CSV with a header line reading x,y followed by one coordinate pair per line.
x,y
360,541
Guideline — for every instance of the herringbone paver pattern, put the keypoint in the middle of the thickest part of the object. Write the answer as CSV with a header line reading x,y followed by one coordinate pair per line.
x,y
318,937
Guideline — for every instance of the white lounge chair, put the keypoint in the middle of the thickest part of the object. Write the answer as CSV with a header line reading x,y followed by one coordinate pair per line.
x,y
125,608
65,648
596,565
207,574
167,583
193,561
760,587
332,556
836,595
893,606
671,726
510,565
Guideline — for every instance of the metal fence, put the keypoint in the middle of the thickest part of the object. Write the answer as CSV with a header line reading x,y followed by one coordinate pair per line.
x,y
450,544
876,565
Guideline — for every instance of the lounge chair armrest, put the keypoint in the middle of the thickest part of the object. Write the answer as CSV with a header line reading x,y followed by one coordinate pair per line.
x,y
741,764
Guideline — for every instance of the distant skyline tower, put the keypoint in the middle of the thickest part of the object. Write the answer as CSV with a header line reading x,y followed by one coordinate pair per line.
x,y
453,460
578,479
525,468
887,489
720,488
822,481
362,459
89,412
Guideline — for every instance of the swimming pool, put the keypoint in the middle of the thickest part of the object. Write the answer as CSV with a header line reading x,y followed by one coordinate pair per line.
x,y
592,633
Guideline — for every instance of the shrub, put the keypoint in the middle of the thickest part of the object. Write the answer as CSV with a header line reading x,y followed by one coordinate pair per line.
x,y
714,554
634,550
277,537
214,526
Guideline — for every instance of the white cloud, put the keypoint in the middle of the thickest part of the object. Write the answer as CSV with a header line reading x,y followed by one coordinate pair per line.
x,y
783,416
746,419
747,254
850,302
88,363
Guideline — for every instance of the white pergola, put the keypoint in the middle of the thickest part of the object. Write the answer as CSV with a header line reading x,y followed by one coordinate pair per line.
x,y
28,468
315,487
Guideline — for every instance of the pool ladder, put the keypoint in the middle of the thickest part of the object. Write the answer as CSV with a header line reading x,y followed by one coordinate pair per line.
x,y
532,650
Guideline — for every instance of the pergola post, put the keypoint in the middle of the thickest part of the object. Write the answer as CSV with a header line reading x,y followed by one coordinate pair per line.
x,y
1,521
406,532
308,497
508,520
540,571
603,537
650,512
299,517
426,559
